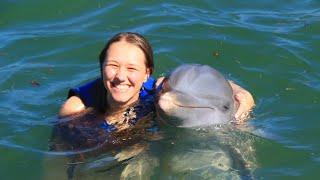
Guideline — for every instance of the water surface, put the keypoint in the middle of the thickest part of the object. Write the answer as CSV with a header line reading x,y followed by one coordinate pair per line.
x,y
269,47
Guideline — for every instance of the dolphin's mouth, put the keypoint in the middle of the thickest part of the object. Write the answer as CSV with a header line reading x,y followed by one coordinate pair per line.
x,y
185,100
193,106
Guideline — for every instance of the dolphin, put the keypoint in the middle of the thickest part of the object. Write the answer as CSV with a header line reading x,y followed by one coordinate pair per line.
x,y
196,95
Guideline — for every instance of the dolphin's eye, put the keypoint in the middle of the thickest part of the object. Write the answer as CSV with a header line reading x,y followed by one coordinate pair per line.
x,y
226,107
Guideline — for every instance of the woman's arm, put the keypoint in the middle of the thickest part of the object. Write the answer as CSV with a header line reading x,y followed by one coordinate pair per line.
x,y
82,97
73,105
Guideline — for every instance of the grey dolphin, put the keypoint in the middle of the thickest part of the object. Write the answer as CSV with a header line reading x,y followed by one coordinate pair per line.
x,y
198,96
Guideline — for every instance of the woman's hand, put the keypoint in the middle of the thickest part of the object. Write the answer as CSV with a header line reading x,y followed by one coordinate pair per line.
x,y
244,102
159,81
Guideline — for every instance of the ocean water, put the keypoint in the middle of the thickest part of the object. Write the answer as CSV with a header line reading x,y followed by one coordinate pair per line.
x,y
269,47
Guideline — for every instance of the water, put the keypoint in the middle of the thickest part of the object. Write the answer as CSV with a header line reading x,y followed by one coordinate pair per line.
x,y
268,47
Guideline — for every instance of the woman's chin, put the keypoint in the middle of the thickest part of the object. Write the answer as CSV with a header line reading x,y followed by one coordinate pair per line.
x,y
121,101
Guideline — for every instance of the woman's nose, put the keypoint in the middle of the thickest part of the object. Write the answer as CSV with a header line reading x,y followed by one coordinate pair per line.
x,y
121,74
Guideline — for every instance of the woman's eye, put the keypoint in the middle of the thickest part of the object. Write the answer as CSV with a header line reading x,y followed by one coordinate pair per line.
x,y
132,69
112,65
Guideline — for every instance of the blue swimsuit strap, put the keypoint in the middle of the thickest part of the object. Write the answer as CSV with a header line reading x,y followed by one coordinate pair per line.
x,y
147,89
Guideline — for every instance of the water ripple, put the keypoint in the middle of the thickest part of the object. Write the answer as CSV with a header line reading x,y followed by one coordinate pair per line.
x,y
64,27
9,144
308,79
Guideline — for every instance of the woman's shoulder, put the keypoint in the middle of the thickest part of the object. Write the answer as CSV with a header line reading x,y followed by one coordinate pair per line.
x,y
73,105
81,97
88,92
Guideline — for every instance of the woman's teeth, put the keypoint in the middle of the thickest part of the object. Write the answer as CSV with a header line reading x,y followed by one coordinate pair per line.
x,y
121,87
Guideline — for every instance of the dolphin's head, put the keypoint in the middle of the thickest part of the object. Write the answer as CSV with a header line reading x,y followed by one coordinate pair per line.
x,y
196,96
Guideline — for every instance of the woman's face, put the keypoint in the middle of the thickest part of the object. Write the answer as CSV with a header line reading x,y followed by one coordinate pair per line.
x,y
124,71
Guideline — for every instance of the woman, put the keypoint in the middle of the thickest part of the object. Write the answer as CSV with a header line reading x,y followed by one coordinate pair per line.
x,y
114,102
126,64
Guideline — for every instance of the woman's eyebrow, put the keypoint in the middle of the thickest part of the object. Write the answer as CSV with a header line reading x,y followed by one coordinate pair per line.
x,y
111,60
131,64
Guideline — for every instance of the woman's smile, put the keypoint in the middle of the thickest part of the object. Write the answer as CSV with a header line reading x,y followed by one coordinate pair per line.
x,y
120,87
